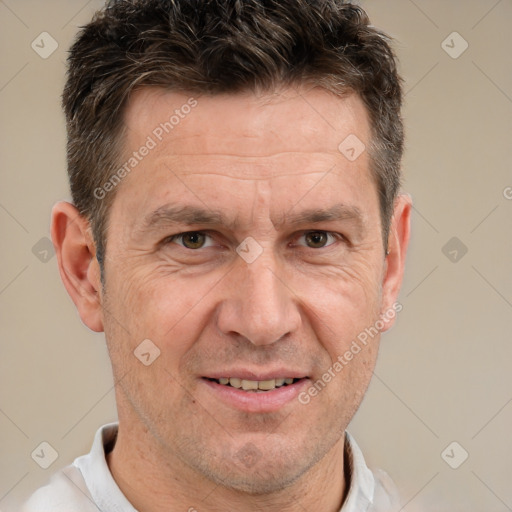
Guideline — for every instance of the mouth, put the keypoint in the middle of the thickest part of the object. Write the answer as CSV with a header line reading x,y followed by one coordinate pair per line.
x,y
251,395
255,386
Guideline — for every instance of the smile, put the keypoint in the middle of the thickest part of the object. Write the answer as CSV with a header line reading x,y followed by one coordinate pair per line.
x,y
252,395
255,385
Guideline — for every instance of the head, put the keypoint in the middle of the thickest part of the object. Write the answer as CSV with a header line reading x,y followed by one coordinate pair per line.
x,y
229,122
251,46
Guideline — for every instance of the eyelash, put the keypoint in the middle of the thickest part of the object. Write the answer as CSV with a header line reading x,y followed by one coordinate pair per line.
x,y
334,237
172,238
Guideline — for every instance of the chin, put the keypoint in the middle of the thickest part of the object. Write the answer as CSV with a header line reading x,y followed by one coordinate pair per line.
x,y
257,483
251,471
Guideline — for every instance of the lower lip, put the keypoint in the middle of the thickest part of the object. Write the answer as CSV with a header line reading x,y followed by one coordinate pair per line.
x,y
251,401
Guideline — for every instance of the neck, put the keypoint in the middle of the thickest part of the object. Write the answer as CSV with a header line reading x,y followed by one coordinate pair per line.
x,y
154,482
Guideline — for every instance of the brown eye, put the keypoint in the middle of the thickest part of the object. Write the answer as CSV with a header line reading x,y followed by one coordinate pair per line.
x,y
192,240
316,239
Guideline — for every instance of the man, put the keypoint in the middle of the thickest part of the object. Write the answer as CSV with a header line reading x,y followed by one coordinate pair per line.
x,y
238,234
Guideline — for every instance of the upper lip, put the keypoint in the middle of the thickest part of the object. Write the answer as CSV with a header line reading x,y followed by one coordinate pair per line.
x,y
257,375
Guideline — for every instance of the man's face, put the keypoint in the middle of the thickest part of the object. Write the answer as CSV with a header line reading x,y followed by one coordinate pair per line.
x,y
285,305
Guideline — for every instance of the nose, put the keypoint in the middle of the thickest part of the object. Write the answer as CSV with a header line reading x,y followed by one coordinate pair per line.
x,y
259,304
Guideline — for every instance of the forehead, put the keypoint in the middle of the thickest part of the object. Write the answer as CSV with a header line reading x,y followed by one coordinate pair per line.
x,y
246,124
232,148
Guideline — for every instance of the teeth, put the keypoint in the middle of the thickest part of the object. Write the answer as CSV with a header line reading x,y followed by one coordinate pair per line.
x,y
267,384
255,385
249,384
236,383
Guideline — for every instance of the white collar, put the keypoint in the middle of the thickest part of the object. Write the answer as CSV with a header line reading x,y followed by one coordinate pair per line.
x,y
106,494
104,490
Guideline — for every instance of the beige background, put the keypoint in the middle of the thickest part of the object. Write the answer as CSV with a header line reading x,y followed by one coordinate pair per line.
x,y
444,370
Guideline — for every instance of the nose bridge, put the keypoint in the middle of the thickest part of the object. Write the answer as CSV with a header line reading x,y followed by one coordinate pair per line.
x,y
265,297
258,305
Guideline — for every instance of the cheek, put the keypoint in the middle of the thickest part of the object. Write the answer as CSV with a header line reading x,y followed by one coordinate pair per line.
x,y
344,302
342,311
169,312
169,309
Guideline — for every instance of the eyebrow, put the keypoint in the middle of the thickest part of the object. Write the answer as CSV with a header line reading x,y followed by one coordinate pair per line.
x,y
191,215
188,215
336,212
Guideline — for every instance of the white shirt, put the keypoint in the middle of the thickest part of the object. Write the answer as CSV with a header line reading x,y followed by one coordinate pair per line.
x,y
88,486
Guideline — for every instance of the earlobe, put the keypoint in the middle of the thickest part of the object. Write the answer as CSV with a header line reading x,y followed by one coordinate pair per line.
x,y
78,266
398,242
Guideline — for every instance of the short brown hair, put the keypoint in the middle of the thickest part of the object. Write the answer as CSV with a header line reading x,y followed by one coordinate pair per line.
x,y
222,46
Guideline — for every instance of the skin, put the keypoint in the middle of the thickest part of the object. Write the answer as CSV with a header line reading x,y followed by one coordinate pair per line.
x,y
261,161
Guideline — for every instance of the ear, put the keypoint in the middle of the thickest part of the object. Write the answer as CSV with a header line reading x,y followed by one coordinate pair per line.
x,y
78,266
398,241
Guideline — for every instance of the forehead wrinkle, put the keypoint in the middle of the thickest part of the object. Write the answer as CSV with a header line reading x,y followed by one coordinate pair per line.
x,y
239,167
337,212
184,214
192,215
248,178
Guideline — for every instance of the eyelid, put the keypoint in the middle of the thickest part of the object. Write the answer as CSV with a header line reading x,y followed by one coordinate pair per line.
x,y
172,239
335,236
